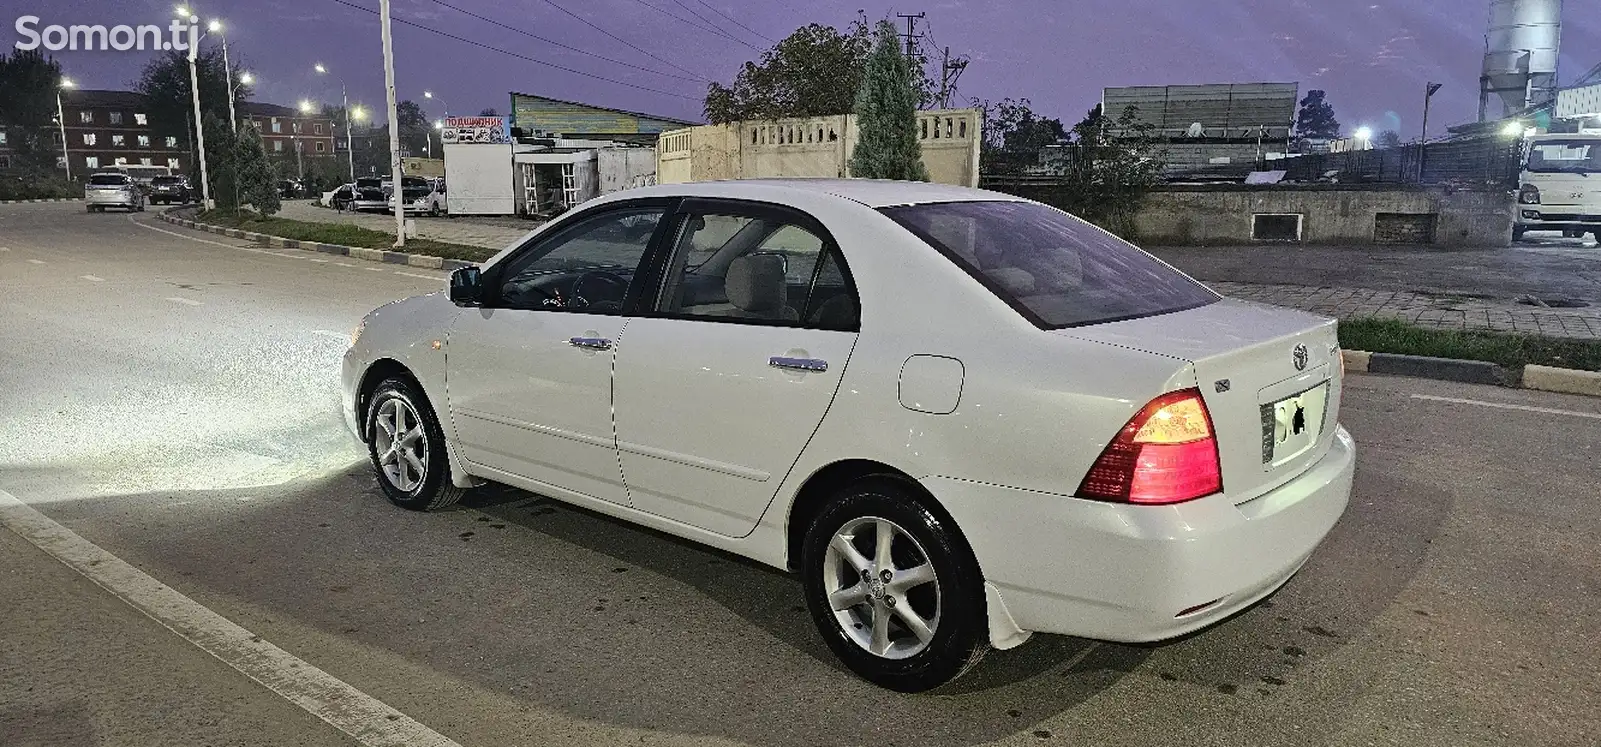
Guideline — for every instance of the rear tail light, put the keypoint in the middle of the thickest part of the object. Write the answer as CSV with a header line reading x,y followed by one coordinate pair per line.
x,y
1166,454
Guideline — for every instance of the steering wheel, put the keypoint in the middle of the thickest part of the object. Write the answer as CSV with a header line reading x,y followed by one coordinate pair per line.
x,y
616,282
531,296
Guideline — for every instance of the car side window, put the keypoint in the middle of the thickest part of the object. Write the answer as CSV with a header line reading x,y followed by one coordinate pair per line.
x,y
759,269
587,267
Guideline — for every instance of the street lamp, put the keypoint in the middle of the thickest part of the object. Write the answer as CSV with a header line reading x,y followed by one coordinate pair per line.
x,y
194,86
1364,135
1513,128
61,120
439,126
430,95
350,143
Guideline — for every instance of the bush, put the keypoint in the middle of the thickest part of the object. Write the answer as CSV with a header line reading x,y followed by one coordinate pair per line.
x,y
21,188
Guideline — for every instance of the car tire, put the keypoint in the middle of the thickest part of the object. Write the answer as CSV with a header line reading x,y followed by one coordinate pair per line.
x,y
943,588
398,470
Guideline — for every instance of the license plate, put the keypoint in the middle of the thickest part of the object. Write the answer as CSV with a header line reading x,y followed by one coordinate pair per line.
x,y
1292,425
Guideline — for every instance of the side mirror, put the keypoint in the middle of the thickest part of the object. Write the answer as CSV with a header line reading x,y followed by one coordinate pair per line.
x,y
467,286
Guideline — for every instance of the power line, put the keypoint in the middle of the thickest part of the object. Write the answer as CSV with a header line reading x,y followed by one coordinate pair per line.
x,y
621,40
736,21
553,42
481,45
703,19
683,20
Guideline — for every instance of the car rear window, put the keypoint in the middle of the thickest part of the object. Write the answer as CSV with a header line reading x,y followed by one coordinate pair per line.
x,y
1056,270
108,180
164,180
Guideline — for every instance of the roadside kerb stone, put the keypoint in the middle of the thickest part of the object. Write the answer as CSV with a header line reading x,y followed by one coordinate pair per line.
x,y
1356,361
1563,380
1448,369
423,261
33,202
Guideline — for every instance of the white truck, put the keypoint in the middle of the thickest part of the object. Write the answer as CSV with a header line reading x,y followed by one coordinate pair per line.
x,y
1561,186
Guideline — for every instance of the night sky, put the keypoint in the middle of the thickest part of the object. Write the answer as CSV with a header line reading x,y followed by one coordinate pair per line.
x,y
1372,56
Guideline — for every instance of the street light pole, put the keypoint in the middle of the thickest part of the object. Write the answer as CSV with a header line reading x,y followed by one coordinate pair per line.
x,y
227,72
200,128
61,120
395,166
350,141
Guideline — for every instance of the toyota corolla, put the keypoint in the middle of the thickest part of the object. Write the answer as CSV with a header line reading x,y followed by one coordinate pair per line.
x,y
959,417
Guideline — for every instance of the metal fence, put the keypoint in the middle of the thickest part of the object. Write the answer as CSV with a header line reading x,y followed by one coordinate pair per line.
x,y
1486,162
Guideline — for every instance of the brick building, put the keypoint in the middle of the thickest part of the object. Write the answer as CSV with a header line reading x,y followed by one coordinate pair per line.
x,y
112,128
284,129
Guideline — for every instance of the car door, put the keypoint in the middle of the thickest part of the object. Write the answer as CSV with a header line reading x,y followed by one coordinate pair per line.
x,y
724,379
529,372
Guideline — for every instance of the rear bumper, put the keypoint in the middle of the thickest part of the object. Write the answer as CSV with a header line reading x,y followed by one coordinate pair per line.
x,y
112,200
1125,573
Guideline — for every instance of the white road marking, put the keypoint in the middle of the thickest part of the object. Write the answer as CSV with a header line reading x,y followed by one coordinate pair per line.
x,y
93,278
369,720
374,269
5,248
417,275
189,301
344,264
200,240
330,333
318,260
36,262
1503,406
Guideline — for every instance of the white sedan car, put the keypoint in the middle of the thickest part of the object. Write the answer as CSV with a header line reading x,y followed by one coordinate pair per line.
x,y
961,417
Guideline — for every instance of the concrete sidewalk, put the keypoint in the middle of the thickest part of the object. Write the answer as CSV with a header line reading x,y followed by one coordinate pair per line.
x,y
1440,312
491,233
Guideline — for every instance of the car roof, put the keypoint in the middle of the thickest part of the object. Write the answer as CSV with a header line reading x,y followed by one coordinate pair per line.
x,y
874,193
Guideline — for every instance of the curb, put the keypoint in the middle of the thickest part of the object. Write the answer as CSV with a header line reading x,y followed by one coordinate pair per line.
x,y
1534,377
423,261
47,199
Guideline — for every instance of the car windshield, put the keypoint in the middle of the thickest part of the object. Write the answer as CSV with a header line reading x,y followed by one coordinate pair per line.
x,y
1565,157
1056,270
415,183
108,180
368,184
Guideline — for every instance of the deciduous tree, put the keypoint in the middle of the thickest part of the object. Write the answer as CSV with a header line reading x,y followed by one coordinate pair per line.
x,y
28,84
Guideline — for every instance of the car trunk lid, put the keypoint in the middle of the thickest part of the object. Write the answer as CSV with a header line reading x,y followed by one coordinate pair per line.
x,y
1270,378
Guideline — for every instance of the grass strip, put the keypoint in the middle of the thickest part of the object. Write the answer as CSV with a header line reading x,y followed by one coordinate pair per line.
x,y
1507,349
339,233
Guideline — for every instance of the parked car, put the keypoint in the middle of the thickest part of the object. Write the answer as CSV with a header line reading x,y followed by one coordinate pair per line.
x,y
369,195
289,189
112,189
339,198
959,416
166,190
422,195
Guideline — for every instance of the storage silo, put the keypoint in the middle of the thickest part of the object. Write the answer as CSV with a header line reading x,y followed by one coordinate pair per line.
x,y
1520,57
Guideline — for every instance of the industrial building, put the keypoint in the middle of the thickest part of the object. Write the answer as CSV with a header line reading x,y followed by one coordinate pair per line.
x,y
1230,127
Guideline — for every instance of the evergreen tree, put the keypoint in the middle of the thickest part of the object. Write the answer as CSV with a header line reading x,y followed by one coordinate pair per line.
x,y
220,162
1316,118
886,115
257,185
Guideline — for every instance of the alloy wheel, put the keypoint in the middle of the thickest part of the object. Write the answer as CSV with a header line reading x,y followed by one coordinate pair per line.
x,y
882,588
402,444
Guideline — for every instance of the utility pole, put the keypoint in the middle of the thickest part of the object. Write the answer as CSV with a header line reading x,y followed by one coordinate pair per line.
x,y
395,167
1429,89
911,31
950,71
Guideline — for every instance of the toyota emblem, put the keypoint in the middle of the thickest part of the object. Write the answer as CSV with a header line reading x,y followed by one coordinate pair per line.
x,y
1301,356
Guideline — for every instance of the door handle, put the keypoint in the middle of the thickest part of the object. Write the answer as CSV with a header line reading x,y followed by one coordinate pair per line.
x,y
591,343
798,364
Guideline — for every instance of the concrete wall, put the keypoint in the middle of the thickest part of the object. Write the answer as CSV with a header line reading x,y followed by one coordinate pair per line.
x,y
811,147
1207,214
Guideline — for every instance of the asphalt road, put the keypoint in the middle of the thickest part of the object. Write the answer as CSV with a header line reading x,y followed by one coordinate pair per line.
x,y
174,403
1546,267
